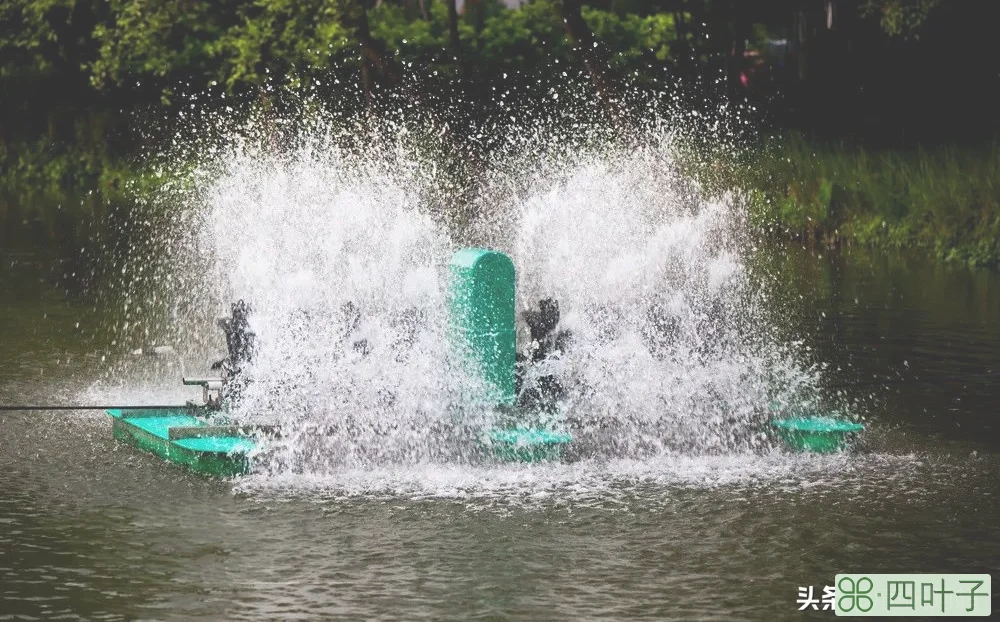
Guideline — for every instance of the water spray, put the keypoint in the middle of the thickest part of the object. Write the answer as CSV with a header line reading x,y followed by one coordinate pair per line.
x,y
376,346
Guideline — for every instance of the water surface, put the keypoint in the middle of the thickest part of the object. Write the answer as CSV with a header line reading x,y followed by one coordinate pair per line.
x,y
91,529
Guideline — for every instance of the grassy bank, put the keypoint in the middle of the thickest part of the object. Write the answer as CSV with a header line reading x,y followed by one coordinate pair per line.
x,y
942,201
945,201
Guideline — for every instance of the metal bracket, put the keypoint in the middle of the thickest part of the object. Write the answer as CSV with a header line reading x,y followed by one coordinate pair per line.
x,y
211,389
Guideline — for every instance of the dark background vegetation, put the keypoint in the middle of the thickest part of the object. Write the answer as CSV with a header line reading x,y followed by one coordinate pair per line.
x,y
875,120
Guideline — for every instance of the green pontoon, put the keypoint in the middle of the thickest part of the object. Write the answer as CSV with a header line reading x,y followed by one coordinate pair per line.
x,y
526,444
817,434
182,437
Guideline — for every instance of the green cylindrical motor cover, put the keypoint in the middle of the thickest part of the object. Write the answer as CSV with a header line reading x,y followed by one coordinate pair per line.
x,y
482,317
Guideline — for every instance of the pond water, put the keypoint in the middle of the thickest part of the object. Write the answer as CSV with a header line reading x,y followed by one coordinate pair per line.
x,y
91,529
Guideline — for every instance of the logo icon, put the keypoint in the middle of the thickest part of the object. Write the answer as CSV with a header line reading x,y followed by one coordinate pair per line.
x,y
854,594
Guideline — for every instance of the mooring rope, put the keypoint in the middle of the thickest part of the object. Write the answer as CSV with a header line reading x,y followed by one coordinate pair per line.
x,y
96,407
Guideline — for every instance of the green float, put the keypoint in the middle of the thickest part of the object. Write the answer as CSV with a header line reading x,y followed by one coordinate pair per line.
x,y
483,321
482,311
186,439
817,434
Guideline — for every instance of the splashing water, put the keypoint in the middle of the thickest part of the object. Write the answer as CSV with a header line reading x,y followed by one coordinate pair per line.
x,y
668,352
343,269
341,249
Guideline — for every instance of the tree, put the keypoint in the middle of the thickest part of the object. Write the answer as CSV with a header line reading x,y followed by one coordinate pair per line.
x,y
899,17
591,52
456,44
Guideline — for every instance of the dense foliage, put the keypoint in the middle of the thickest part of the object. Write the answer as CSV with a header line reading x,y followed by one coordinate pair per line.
x,y
153,46
82,78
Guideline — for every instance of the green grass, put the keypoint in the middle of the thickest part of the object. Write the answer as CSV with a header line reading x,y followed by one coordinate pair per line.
x,y
945,200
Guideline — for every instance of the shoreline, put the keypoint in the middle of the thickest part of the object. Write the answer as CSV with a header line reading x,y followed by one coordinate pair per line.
x,y
943,202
